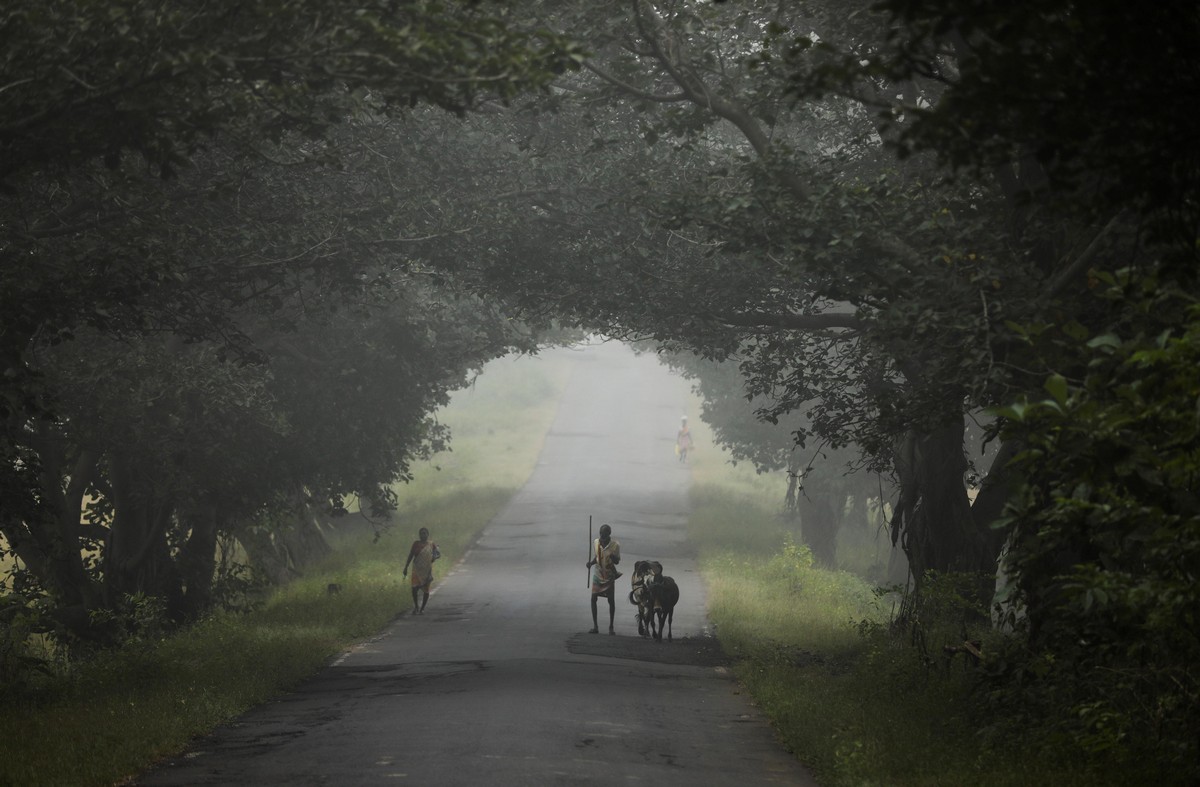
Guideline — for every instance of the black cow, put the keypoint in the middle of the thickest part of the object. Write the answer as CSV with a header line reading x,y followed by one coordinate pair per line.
x,y
664,595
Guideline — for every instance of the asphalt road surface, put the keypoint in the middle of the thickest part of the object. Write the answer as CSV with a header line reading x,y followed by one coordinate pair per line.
x,y
499,683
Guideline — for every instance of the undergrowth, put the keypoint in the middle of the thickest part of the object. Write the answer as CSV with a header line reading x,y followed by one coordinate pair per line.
x,y
861,698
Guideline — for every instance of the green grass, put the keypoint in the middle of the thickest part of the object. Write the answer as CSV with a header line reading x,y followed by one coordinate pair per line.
x,y
95,724
811,648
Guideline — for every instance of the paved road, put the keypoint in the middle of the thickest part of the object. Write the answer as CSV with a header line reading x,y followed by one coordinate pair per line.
x,y
499,683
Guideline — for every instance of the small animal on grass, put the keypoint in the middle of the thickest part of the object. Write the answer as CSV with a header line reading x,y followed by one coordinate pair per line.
x,y
639,595
664,595
333,589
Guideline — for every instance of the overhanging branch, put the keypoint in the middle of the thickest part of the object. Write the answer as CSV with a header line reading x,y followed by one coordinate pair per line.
x,y
661,98
792,321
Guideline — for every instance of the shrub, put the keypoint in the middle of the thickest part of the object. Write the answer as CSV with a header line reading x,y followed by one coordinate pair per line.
x,y
1105,552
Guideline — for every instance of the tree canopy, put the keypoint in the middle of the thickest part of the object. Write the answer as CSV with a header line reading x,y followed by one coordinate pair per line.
x,y
223,225
209,319
894,220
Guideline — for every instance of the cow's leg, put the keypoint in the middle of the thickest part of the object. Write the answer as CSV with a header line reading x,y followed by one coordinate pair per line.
x,y
670,617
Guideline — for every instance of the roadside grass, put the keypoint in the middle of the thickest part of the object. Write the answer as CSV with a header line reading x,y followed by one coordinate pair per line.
x,y
119,712
811,647
100,720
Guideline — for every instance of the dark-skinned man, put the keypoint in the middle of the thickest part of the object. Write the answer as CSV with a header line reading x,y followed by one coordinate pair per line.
x,y
606,554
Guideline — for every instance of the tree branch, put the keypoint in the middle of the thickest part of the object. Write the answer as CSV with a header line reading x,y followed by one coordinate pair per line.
x,y
793,321
1068,274
628,88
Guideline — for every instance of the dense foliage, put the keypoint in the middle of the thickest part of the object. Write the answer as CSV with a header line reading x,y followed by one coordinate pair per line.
x,y
1105,543
1076,110
211,328
899,218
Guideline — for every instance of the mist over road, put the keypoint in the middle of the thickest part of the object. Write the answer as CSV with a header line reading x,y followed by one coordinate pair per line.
x,y
498,683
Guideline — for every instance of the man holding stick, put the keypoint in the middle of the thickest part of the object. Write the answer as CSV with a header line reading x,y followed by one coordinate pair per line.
x,y
606,554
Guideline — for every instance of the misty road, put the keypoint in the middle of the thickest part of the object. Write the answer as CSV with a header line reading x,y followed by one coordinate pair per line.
x,y
498,683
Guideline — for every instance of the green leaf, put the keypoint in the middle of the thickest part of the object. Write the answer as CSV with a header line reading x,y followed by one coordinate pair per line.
x,y
1110,340
1056,385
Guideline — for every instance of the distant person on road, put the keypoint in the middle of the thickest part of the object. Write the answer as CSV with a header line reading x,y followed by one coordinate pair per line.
x,y
421,557
606,554
683,440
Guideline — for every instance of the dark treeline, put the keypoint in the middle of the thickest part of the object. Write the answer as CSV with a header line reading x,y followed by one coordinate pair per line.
x,y
212,335
247,252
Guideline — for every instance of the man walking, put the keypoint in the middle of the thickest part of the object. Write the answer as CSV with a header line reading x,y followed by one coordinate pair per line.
x,y
606,554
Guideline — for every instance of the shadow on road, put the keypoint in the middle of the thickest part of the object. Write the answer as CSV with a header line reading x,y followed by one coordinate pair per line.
x,y
689,651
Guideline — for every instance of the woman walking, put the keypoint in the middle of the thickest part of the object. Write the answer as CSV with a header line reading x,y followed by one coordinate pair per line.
x,y
421,556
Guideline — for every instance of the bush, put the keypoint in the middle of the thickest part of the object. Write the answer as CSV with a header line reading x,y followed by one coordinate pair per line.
x,y
20,662
1105,553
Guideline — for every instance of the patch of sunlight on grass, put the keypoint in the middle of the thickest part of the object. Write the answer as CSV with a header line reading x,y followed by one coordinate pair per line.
x,y
760,607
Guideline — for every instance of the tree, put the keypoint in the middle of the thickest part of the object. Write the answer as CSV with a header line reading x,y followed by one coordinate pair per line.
x,y
1080,111
807,259
923,297
1105,543
874,294
188,286
821,481
84,83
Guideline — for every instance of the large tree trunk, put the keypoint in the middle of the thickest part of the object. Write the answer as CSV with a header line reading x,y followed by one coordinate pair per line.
x,y
304,538
44,532
994,494
789,497
819,524
198,560
137,557
291,544
898,571
932,520
271,560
